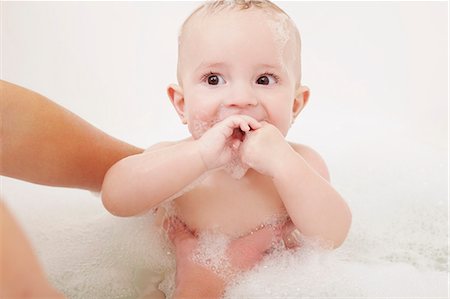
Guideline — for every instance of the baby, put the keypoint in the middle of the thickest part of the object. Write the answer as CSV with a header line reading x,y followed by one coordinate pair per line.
x,y
239,90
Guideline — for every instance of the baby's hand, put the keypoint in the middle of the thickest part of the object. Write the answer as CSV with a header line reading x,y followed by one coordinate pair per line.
x,y
216,144
264,149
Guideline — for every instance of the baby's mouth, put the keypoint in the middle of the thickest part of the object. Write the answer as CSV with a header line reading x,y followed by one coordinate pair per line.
x,y
238,134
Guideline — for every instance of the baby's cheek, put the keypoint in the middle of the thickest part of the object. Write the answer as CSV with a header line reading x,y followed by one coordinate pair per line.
x,y
198,125
282,120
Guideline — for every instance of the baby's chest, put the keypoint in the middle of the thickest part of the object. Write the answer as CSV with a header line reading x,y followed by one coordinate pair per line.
x,y
234,210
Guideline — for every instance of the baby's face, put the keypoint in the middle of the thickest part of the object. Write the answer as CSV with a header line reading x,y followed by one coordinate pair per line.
x,y
239,62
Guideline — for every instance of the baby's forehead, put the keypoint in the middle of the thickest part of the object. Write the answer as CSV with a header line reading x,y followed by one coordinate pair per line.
x,y
268,12
260,14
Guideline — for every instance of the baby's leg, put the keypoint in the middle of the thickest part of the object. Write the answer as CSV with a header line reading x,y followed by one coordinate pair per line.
x,y
241,253
198,280
192,280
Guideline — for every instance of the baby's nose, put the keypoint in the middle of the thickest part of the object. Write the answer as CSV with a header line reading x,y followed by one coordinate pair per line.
x,y
241,96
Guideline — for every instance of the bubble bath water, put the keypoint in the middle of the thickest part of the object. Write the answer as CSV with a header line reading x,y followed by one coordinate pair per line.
x,y
211,251
96,255
397,245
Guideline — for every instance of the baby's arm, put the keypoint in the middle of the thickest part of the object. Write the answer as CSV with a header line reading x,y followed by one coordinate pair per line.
x,y
302,180
138,183
314,206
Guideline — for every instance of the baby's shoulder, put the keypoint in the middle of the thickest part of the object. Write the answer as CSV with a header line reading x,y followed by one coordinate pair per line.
x,y
313,158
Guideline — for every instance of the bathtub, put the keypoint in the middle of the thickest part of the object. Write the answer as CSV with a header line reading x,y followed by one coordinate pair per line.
x,y
378,114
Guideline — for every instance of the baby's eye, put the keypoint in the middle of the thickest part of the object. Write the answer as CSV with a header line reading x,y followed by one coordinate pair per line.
x,y
267,79
214,79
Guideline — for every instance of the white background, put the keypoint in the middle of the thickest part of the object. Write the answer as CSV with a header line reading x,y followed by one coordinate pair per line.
x,y
377,73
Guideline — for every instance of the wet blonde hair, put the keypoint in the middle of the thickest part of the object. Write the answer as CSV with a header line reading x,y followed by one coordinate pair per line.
x,y
215,6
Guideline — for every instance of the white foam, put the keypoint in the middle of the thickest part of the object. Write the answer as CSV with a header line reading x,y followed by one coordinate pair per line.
x,y
319,274
278,23
106,257
200,126
211,251
397,251
236,168
397,246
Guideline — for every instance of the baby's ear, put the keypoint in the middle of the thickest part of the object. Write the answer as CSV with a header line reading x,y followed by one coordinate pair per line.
x,y
300,101
176,95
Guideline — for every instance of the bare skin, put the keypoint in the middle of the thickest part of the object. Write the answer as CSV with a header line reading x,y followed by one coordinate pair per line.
x,y
41,142
21,275
222,94
28,119
238,96
197,281
44,143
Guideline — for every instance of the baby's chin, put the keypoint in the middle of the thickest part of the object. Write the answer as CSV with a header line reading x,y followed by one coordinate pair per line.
x,y
237,172
236,168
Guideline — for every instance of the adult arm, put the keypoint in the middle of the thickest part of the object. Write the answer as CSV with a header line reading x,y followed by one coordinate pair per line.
x,y
21,275
43,143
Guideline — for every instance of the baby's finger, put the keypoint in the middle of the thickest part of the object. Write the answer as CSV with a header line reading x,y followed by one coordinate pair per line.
x,y
253,123
228,125
244,122
234,121
245,126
